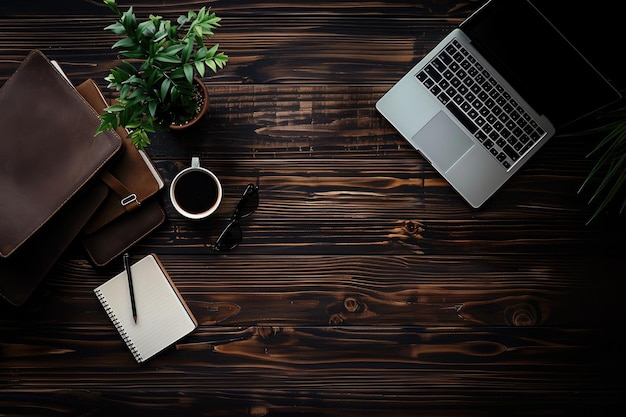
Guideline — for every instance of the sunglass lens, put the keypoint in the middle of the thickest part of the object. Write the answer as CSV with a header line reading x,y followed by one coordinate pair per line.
x,y
249,202
230,237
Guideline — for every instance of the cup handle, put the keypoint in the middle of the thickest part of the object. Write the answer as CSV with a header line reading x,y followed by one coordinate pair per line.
x,y
195,162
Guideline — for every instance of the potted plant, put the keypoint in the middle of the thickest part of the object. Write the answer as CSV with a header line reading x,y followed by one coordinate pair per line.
x,y
164,88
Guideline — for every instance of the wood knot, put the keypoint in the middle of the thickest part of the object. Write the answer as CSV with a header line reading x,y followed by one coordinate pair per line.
x,y
522,314
265,332
335,319
259,410
407,229
350,308
351,304
413,227
522,310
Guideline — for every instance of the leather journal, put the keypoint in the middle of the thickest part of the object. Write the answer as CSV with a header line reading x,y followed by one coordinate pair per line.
x,y
23,271
49,158
130,210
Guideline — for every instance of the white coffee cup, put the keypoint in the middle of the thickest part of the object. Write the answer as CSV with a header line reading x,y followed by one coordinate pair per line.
x,y
195,191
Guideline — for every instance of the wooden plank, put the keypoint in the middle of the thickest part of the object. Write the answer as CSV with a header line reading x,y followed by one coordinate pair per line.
x,y
326,371
268,42
385,290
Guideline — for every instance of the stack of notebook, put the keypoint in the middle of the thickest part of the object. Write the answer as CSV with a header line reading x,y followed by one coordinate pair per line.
x,y
52,170
130,210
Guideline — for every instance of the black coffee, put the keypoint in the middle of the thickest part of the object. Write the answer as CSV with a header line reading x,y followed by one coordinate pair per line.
x,y
195,192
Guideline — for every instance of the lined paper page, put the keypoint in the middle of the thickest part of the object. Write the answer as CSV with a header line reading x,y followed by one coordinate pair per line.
x,y
162,317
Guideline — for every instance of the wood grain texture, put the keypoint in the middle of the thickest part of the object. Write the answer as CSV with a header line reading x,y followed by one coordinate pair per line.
x,y
364,285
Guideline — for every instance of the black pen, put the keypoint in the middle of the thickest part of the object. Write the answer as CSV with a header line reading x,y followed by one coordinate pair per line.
x,y
130,286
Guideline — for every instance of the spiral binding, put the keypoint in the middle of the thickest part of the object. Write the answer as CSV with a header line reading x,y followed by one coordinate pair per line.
x,y
119,327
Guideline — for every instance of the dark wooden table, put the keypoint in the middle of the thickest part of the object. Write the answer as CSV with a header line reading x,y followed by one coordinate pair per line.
x,y
364,285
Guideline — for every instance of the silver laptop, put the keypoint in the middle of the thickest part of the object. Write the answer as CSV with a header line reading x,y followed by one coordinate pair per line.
x,y
491,93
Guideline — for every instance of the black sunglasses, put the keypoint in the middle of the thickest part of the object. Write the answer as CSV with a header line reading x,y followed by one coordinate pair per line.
x,y
231,236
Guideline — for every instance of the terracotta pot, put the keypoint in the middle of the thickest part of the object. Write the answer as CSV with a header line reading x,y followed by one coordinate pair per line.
x,y
203,109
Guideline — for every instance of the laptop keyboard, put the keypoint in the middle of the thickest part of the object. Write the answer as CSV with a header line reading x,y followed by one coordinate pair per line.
x,y
480,103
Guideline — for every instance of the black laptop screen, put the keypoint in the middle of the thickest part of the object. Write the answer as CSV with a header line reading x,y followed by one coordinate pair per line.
x,y
538,61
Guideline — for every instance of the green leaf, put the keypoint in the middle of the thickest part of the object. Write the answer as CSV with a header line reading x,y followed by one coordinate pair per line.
x,y
128,67
109,121
201,54
188,69
125,43
187,51
200,68
221,59
128,20
145,29
165,88
611,165
139,138
133,124
613,170
206,31
173,50
117,75
177,74
202,13
617,186
214,20
167,58
114,108
174,94
136,53
160,37
172,32
153,77
124,91
117,28
152,107
112,6
134,80
211,52
211,64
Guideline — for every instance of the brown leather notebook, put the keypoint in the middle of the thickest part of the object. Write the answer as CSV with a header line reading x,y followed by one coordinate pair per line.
x,y
112,240
132,179
130,210
48,151
23,271
49,160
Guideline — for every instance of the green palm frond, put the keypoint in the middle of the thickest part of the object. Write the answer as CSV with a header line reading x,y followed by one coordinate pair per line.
x,y
610,168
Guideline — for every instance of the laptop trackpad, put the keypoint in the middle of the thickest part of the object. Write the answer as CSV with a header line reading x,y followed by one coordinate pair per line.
x,y
442,142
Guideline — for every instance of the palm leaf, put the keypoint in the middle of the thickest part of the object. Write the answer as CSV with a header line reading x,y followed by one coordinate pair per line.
x,y
610,167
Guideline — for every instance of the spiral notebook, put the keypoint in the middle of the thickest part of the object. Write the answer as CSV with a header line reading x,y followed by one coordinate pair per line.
x,y
163,317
